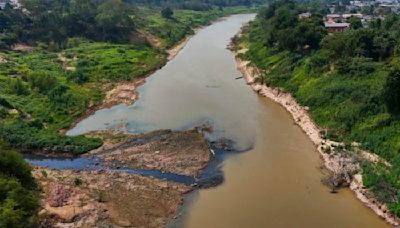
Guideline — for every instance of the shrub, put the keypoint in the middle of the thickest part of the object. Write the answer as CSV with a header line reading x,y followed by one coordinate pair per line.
x,y
18,196
392,91
78,181
101,198
42,81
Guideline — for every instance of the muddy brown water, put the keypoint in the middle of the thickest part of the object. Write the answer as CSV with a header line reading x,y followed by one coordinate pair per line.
x,y
276,183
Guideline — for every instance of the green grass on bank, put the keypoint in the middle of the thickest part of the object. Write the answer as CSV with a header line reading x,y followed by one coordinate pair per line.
x,y
43,91
183,22
49,98
345,96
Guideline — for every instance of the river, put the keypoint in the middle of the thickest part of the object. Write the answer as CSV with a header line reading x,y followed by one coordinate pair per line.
x,y
277,183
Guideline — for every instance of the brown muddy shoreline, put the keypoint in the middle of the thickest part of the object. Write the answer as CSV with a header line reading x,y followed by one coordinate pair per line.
x,y
339,165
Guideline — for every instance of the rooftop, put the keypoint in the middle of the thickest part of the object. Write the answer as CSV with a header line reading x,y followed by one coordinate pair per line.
x,y
336,25
333,15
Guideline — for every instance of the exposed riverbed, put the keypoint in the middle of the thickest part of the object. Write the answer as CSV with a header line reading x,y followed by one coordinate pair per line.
x,y
275,184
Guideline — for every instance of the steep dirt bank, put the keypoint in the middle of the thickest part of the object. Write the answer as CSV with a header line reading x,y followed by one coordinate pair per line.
x,y
77,198
345,169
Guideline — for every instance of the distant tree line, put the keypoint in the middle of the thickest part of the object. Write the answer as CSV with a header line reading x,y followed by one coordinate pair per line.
x,y
198,5
55,21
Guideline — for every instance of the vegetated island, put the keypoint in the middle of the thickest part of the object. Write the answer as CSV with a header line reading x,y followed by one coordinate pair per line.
x,y
340,87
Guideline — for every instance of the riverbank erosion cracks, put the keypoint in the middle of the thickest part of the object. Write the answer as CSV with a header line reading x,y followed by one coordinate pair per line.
x,y
344,167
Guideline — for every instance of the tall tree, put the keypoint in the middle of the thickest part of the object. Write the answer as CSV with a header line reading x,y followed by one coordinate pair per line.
x,y
392,91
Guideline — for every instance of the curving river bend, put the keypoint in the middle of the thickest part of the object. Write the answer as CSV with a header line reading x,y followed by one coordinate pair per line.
x,y
276,183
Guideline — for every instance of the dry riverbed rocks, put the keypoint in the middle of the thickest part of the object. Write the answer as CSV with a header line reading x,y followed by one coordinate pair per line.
x,y
76,198
112,198
183,153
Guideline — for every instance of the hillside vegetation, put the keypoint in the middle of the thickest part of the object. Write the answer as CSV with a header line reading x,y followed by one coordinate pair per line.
x,y
80,49
349,80
57,60
18,191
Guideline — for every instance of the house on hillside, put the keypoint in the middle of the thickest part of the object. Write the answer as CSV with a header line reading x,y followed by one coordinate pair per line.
x,y
333,17
390,8
348,15
304,15
2,4
336,27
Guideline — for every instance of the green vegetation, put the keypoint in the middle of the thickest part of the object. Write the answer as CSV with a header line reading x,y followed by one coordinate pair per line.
x,y
78,181
199,5
349,80
173,29
18,194
81,46
80,49
40,97
101,197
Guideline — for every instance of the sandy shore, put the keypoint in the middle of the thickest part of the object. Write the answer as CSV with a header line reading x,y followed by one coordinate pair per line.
x,y
332,161
174,51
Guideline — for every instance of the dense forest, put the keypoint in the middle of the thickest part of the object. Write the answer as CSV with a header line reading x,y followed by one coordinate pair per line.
x,y
198,4
350,81
57,60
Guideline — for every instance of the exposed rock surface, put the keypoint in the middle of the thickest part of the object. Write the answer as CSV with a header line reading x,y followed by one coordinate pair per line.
x,y
183,153
123,93
106,199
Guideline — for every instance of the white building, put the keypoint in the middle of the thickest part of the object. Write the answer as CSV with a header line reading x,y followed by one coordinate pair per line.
x,y
2,4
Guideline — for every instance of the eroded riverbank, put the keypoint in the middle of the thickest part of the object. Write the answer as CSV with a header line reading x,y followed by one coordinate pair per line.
x,y
345,168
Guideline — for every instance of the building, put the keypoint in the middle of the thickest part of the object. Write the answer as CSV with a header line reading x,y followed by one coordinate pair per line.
x,y
348,15
304,15
2,4
333,17
336,27
390,8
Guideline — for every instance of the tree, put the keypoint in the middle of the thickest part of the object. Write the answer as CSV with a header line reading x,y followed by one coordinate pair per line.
x,y
18,197
42,81
355,22
114,20
58,94
167,13
392,91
